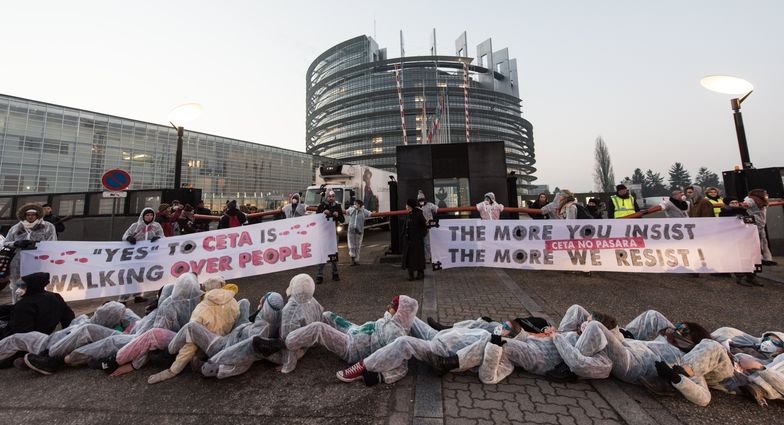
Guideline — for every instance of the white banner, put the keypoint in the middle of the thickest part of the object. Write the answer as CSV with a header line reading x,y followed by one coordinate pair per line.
x,y
691,245
83,270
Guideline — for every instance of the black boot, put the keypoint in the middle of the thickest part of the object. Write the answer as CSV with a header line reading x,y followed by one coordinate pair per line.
x,y
435,325
740,280
442,365
267,346
353,261
319,280
335,277
371,378
561,373
411,275
752,280
43,364
420,275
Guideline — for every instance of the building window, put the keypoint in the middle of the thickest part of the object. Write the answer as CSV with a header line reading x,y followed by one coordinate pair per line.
x,y
378,140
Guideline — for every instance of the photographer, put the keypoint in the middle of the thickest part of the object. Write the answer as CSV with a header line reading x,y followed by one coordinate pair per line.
x,y
331,209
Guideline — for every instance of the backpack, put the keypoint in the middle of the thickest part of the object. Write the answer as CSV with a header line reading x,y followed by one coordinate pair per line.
x,y
582,213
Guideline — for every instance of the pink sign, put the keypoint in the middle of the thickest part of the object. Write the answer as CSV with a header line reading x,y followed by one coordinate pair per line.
x,y
603,243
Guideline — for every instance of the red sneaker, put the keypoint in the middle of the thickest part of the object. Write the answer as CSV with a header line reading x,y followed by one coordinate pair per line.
x,y
353,373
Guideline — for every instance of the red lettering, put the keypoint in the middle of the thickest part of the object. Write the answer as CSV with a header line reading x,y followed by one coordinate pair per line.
x,y
212,265
232,239
306,250
245,258
196,266
245,239
206,243
284,252
179,268
271,255
225,263
220,242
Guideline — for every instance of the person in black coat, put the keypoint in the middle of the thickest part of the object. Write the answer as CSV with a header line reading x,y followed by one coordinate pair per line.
x,y
53,218
332,209
38,310
414,231
540,201
201,225
232,217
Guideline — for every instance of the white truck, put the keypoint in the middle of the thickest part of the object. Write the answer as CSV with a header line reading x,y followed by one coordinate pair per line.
x,y
351,182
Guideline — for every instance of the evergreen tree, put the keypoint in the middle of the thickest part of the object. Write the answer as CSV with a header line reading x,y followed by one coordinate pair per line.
x,y
603,176
653,185
638,177
679,177
706,178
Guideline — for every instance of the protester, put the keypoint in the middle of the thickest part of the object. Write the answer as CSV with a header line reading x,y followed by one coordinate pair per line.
x,y
357,215
55,219
622,203
294,208
353,342
700,206
414,230
594,208
567,210
677,206
300,310
712,194
23,235
232,217
333,211
489,209
145,229
201,225
757,203
37,309
541,201
167,216
430,212
218,313
186,220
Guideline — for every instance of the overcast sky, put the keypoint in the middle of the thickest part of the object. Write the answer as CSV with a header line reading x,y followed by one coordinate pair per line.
x,y
628,71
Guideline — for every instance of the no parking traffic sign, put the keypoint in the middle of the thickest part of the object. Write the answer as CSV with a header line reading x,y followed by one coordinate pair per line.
x,y
116,179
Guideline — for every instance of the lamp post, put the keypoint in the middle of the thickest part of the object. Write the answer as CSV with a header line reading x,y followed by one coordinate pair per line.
x,y
178,117
735,86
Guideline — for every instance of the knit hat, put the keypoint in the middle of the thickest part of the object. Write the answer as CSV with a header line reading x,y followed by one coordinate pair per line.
x,y
620,186
231,287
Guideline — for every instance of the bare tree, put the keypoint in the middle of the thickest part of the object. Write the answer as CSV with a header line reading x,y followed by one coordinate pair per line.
x,y
603,176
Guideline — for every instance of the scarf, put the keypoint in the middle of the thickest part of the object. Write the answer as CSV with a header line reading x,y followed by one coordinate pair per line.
x,y
30,226
682,205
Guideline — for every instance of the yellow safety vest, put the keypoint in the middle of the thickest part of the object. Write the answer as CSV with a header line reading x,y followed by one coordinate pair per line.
x,y
716,211
623,207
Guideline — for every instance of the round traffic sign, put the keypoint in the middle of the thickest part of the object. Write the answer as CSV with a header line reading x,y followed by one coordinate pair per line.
x,y
116,179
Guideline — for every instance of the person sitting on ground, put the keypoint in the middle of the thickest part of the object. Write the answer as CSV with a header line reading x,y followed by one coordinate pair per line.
x,y
38,310
218,313
353,342
232,217
489,209
300,310
23,235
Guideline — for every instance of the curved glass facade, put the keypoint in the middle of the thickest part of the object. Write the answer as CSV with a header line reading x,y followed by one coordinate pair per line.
x,y
353,111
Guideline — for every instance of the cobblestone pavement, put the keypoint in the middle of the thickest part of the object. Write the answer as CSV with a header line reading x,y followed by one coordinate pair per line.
x,y
522,397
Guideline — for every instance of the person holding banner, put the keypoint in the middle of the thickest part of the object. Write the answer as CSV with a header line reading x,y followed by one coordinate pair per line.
x,y
145,229
757,203
489,209
232,217
357,215
23,235
333,211
414,231
430,211
677,206
700,205
622,203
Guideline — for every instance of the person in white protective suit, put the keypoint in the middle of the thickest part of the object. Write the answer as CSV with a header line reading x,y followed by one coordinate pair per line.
x,y
153,332
733,362
356,216
109,319
238,357
453,349
294,208
542,353
353,342
300,310
489,209
430,211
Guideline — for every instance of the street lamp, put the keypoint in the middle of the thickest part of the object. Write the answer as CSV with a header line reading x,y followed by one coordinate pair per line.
x,y
178,117
735,86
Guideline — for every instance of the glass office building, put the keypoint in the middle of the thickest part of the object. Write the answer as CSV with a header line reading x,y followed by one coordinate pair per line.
x,y
354,109
46,148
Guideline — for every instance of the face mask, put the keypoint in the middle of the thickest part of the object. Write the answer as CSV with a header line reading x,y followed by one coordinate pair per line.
x,y
294,201
503,329
767,346
683,198
421,203
20,292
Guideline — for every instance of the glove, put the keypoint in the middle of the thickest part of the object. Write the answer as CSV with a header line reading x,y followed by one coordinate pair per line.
x,y
486,319
497,340
671,374
131,239
27,244
155,238
20,244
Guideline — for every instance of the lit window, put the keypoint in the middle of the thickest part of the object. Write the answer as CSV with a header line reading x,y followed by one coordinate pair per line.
x,y
441,84
378,150
377,140
417,98
358,152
